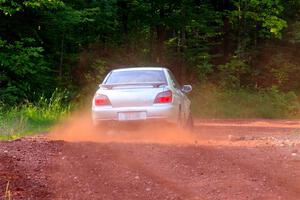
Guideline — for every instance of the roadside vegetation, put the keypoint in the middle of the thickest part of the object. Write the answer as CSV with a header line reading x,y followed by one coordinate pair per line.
x,y
241,56
212,102
29,118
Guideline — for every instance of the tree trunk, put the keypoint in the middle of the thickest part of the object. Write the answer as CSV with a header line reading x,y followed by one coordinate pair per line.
x,y
226,28
239,32
61,56
161,35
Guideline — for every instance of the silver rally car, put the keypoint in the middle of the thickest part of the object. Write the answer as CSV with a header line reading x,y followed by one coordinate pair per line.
x,y
142,94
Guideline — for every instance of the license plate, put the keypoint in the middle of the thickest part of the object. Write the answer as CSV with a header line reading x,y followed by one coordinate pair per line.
x,y
127,116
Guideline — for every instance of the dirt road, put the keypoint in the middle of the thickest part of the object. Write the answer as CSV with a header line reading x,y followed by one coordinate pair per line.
x,y
234,160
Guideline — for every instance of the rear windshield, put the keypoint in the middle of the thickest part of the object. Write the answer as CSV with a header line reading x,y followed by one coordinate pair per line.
x,y
136,76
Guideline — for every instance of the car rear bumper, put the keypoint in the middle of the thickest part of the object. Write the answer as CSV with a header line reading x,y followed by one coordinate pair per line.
x,y
166,113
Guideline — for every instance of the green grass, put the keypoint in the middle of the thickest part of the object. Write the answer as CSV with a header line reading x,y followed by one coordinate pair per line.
x,y
32,118
211,102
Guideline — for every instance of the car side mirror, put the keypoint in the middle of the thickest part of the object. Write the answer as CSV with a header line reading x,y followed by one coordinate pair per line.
x,y
186,88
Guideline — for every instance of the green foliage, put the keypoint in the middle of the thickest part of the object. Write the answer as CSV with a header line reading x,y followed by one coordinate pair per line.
x,y
283,71
96,72
211,102
44,4
201,65
274,25
259,13
231,73
71,44
10,7
295,33
23,71
31,118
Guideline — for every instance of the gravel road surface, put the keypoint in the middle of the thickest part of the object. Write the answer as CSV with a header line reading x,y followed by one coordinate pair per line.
x,y
222,160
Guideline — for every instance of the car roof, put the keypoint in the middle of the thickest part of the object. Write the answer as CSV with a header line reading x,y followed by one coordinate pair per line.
x,y
138,68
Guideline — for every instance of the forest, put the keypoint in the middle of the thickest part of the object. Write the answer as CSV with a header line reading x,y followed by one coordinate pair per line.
x,y
241,56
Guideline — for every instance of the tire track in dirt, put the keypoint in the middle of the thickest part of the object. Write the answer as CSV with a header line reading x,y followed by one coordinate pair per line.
x,y
206,174
221,170
172,172
213,168
270,170
151,170
119,170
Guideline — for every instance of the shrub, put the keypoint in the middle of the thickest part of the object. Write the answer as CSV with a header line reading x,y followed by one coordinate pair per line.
x,y
212,102
32,117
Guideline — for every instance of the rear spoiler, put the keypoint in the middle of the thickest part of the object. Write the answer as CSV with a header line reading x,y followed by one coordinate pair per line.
x,y
111,86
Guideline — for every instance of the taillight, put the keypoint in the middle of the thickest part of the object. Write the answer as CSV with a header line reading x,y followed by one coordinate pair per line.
x,y
101,100
164,97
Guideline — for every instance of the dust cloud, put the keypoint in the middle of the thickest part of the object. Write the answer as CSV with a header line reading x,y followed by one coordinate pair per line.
x,y
79,128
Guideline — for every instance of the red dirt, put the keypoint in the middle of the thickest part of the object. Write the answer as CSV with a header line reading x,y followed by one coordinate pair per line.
x,y
223,159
